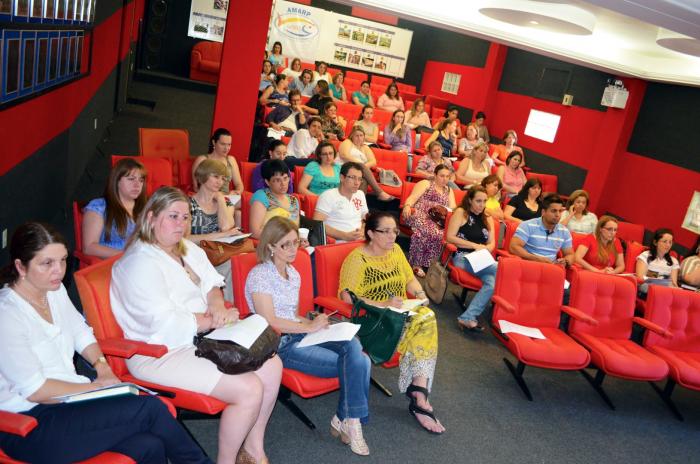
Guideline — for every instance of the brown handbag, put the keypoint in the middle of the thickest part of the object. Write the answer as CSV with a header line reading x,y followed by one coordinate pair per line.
x,y
220,252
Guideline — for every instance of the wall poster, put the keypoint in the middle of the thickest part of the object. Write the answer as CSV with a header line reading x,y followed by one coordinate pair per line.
x,y
208,19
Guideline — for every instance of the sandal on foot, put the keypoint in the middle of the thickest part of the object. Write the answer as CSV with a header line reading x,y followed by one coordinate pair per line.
x,y
414,409
419,272
465,325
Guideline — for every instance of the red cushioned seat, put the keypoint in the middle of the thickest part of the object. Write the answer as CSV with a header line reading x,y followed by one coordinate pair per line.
x,y
624,358
556,351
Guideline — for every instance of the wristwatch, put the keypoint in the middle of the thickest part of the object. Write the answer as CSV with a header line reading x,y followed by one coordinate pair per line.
x,y
101,359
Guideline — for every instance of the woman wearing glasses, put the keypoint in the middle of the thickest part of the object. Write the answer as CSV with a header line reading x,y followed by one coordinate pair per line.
x,y
379,274
601,251
272,290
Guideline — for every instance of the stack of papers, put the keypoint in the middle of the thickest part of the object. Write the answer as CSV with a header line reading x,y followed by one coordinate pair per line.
x,y
104,392
243,332
233,238
409,305
532,332
339,332
480,259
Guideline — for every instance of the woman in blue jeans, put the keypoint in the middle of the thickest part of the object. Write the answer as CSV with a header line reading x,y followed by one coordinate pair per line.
x,y
272,290
470,229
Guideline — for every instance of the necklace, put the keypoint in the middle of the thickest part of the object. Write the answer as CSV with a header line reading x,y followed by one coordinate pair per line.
x,y
41,306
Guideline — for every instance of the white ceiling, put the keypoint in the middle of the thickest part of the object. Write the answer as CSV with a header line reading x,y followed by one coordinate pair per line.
x,y
623,41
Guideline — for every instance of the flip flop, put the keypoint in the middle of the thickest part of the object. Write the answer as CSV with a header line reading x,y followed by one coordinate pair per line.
x,y
477,328
414,409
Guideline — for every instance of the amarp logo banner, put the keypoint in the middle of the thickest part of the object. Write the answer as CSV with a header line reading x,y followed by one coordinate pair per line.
x,y
297,28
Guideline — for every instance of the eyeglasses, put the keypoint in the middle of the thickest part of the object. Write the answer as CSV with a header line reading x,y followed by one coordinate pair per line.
x,y
354,178
610,229
291,245
388,231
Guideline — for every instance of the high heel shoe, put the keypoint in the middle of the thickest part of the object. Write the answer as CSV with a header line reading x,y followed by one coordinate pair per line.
x,y
350,433
244,457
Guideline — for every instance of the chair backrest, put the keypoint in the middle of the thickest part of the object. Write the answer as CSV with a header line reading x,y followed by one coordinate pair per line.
x,y
351,85
329,260
173,144
247,169
630,232
577,239
382,118
534,289
78,225
437,112
511,227
159,171
245,210
434,100
333,72
243,263
550,182
185,174
633,250
459,196
410,89
308,205
607,298
406,192
93,287
209,50
298,173
382,80
397,161
677,311
360,76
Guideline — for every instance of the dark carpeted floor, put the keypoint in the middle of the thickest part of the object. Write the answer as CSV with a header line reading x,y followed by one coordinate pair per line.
x,y
488,419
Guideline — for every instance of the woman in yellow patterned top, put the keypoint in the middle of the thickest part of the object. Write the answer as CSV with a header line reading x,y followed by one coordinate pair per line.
x,y
379,274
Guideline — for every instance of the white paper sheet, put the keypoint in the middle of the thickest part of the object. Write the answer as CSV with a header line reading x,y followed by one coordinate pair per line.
x,y
567,284
531,332
243,332
234,198
233,238
333,333
480,259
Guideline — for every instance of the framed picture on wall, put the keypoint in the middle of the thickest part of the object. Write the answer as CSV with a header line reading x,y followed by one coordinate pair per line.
x,y
42,56
28,63
10,65
52,62
692,216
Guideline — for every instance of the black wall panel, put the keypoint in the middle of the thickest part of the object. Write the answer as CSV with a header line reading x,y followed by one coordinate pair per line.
x,y
106,8
538,76
668,126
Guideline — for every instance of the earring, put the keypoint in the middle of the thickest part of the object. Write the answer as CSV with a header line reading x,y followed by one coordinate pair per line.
x,y
272,253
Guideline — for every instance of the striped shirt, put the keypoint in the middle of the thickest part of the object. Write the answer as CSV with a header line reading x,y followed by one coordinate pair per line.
x,y
542,242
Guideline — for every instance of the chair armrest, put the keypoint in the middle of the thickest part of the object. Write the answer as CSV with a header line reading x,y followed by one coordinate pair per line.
x,y
451,247
383,145
500,301
505,254
124,348
419,151
16,424
653,327
333,304
578,314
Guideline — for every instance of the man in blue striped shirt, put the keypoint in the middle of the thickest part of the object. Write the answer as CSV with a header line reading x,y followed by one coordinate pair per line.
x,y
541,239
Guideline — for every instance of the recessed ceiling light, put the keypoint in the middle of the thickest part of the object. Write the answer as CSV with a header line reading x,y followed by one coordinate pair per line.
x,y
678,42
534,23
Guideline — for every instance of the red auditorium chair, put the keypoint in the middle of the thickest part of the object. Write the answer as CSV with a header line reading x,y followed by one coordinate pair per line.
x,y
408,89
530,294
84,259
173,144
93,287
511,228
159,171
245,210
304,385
298,173
247,169
608,305
381,80
360,76
205,61
630,232
184,174
677,312
550,182
397,161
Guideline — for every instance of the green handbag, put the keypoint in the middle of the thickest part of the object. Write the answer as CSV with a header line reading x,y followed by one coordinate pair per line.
x,y
380,328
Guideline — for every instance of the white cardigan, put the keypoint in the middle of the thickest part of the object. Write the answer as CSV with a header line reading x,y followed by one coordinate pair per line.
x,y
33,351
153,298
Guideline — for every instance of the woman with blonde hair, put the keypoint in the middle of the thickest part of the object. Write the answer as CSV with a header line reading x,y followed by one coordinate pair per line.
x,y
577,218
602,250
417,117
165,291
353,148
472,170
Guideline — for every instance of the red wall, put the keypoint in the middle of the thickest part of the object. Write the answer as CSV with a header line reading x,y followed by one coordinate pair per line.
x,y
470,86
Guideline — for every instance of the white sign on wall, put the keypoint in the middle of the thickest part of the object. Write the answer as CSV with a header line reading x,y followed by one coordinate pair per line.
x,y
208,19
543,126
692,216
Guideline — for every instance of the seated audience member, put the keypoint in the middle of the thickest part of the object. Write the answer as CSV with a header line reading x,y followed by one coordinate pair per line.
x,y
501,152
426,240
304,142
370,127
109,221
342,209
470,140
321,73
219,148
272,290
390,100
451,114
577,218
483,130
289,119
211,213
379,274
656,266
445,135
338,89
511,174
304,83
471,229
323,174
354,149
527,204
276,94
267,77
398,134
294,69
165,291
432,159
276,150
492,185
41,331
602,251
417,117
540,239
276,57
690,267
473,169
332,125
273,200
321,97
363,97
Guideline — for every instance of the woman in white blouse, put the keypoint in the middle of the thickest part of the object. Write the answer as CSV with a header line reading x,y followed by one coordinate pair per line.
x,y
577,218
40,331
164,290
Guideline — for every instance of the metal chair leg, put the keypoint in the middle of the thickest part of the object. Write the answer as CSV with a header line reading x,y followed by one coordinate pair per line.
x,y
380,387
665,395
597,384
285,397
518,375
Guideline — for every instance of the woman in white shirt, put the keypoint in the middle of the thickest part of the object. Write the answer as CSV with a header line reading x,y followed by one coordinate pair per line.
x,y
165,291
40,331
656,266
294,69
321,73
577,218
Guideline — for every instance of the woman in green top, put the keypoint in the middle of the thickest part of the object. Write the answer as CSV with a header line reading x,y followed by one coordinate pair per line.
x,y
338,89
322,175
362,97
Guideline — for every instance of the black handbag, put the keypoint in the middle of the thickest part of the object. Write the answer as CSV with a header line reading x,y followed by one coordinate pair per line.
x,y
232,358
380,328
